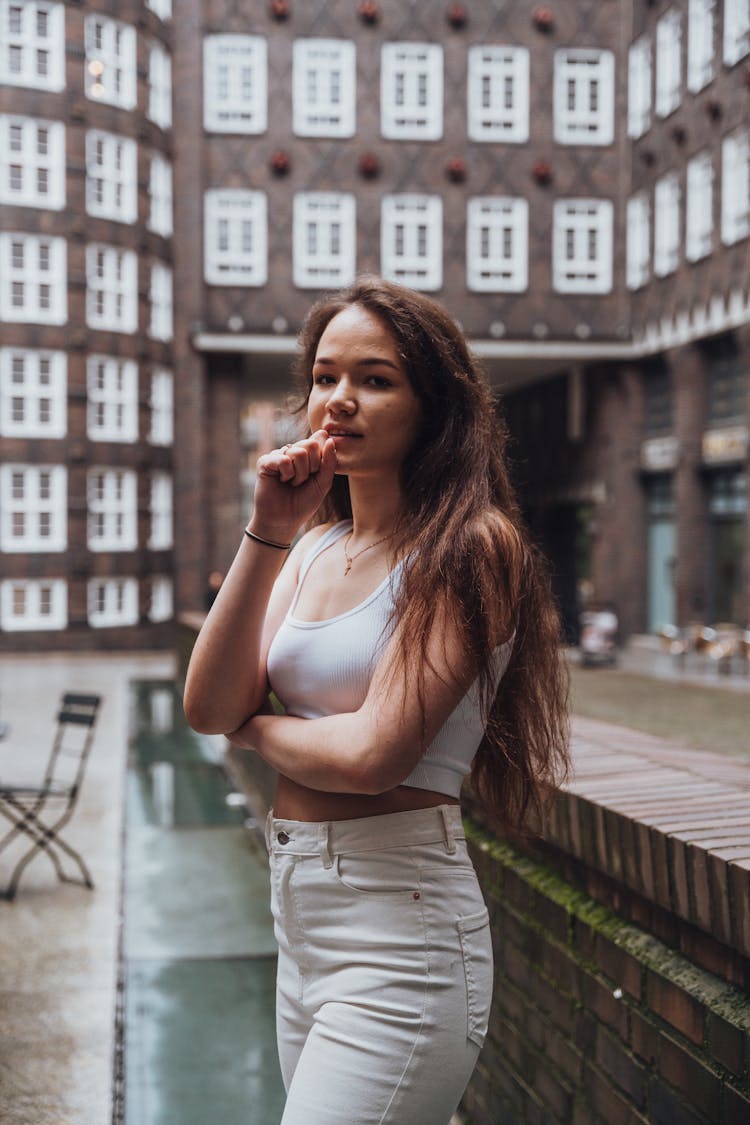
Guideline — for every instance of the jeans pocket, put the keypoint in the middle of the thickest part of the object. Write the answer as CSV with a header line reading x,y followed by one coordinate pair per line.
x,y
476,953
387,874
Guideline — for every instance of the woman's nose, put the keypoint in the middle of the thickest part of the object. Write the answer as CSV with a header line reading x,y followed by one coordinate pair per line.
x,y
342,398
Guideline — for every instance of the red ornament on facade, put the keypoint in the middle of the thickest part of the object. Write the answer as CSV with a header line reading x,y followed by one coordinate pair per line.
x,y
280,9
457,16
280,162
455,170
369,11
542,172
369,165
543,19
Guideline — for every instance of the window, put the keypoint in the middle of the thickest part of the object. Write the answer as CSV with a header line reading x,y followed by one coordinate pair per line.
x,y
162,394
159,86
735,187
497,244
639,87
110,62
160,325
638,244
234,84
411,240
699,207
112,601
111,176
160,537
30,604
32,162
161,8
160,194
700,46
33,508
725,381
736,30
32,44
324,88
668,63
112,510
33,279
584,97
498,94
324,239
112,413
33,388
111,288
162,599
236,251
411,91
658,398
582,246
666,224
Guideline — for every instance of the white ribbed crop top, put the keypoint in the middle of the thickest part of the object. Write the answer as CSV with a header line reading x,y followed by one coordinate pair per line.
x,y
318,668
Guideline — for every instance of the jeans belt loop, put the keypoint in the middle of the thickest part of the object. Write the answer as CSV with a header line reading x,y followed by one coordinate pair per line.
x,y
450,842
269,819
325,844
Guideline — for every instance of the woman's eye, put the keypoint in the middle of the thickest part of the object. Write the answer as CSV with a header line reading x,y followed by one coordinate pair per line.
x,y
322,380
379,381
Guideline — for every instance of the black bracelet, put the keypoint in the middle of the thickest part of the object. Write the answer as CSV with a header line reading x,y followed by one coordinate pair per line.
x,y
267,542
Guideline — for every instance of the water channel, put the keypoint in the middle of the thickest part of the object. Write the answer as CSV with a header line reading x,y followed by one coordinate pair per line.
x,y
198,954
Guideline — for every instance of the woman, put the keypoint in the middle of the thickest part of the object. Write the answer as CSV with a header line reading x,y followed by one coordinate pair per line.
x,y
410,634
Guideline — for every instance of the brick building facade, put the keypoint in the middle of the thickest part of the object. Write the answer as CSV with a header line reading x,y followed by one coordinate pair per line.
x,y
571,182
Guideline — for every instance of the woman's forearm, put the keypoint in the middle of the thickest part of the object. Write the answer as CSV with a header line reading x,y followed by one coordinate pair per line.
x,y
334,754
225,681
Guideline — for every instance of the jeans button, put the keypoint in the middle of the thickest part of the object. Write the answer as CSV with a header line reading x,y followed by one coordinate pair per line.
x,y
282,838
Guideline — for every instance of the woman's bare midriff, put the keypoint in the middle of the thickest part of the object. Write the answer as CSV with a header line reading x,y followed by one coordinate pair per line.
x,y
296,802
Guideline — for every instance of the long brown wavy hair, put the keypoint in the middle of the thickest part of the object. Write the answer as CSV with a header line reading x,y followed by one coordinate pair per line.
x,y
466,549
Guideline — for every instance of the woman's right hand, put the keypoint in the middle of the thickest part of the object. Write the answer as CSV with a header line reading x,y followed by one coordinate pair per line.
x,y
291,484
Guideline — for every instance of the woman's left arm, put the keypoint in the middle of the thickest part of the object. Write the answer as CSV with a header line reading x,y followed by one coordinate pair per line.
x,y
374,748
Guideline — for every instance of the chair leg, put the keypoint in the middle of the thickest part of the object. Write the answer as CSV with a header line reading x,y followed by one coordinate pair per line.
x,y
45,840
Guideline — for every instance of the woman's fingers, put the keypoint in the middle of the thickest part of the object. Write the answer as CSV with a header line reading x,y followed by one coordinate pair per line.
x,y
296,463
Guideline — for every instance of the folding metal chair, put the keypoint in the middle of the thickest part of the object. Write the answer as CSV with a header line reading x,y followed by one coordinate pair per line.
x,y
40,812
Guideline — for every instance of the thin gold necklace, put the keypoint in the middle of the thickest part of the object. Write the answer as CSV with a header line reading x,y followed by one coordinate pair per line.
x,y
350,558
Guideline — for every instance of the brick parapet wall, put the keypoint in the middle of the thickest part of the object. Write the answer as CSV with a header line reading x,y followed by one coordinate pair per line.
x,y
622,989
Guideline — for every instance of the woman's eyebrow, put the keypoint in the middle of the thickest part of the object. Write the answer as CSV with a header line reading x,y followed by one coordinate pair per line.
x,y
373,362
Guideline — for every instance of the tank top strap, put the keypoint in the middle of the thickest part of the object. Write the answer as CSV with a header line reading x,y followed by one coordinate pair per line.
x,y
327,538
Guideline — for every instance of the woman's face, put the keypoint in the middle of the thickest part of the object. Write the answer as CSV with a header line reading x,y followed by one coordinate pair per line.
x,y
362,395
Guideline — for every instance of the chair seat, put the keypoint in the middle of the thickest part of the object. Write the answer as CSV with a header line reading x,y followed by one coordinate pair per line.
x,y
34,790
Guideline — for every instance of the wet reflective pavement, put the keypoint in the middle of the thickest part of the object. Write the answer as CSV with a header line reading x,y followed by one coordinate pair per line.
x,y
199,957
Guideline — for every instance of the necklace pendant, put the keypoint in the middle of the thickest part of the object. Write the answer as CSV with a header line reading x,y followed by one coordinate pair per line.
x,y
348,567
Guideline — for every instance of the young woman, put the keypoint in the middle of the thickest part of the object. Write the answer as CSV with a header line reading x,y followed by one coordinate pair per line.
x,y
411,638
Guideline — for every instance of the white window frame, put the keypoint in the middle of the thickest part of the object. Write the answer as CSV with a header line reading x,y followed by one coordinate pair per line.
x,y
324,87
33,292
32,162
161,607
44,601
497,238
584,106
667,198
735,187
736,30
112,398
41,506
411,240
161,300
111,176
324,239
161,431
235,84
411,91
112,505
112,601
700,43
236,237
160,218
668,63
28,57
111,288
161,535
159,86
640,75
497,104
699,227
33,393
638,240
160,8
575,269
110,67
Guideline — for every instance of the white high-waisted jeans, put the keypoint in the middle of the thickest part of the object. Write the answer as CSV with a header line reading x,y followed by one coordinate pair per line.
x,y
385,967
